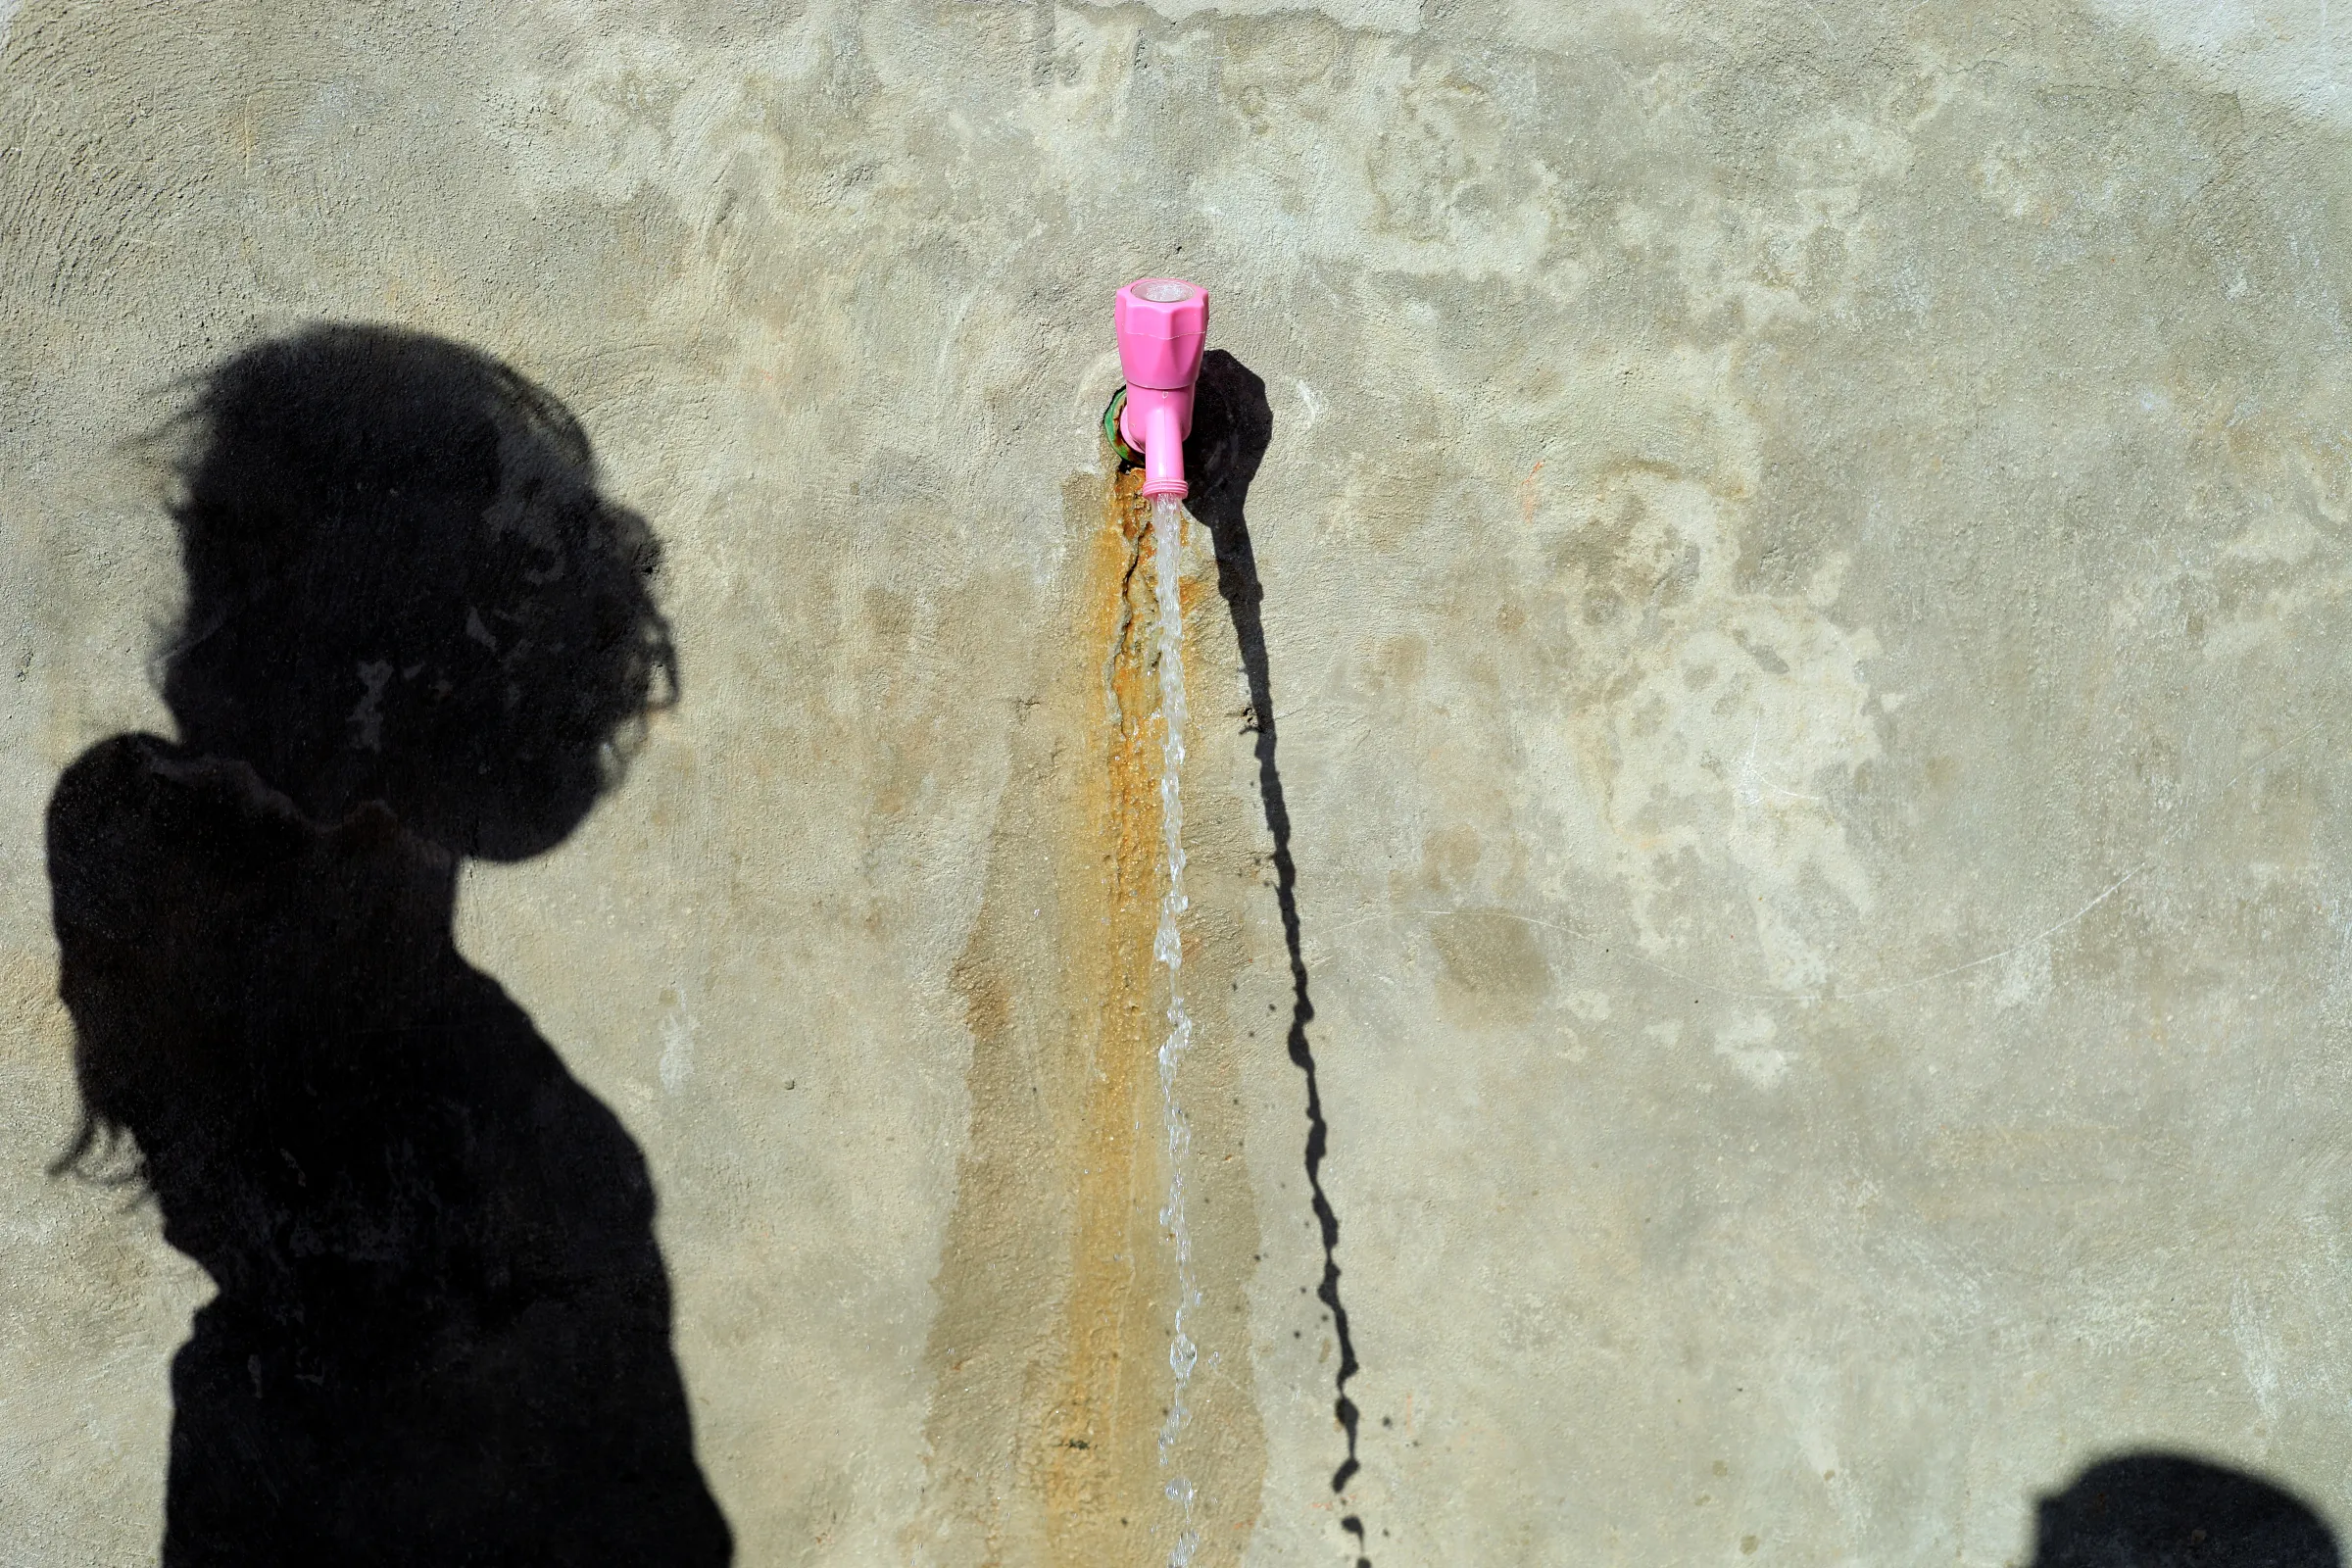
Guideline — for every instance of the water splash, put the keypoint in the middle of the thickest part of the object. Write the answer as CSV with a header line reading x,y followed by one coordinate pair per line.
x,y
1167,945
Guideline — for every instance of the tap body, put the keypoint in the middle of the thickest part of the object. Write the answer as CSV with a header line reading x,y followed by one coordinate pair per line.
x,y
1161,324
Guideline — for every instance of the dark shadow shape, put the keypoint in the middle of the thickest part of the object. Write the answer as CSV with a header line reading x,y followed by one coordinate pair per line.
x,y
2167,1510
414,633
1233,425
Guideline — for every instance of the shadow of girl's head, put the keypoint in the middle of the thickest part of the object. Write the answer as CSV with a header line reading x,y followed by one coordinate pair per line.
x,y
2153,1509
403,586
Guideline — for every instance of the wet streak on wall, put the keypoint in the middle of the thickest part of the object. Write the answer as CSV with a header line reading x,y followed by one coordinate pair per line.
x,y
1042,1445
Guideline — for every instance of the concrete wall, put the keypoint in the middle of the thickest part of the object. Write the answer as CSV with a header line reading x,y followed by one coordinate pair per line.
x,y
1805,552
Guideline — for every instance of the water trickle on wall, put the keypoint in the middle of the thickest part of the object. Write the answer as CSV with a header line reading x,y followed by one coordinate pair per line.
x,y
1167,530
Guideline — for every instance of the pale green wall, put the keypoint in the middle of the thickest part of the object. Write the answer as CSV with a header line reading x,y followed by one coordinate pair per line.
x,y
1806,549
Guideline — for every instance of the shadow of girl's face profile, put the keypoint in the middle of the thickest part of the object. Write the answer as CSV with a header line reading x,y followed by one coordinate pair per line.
x,y
403,587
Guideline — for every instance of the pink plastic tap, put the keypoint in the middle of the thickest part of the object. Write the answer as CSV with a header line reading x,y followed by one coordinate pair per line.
x,y
1162,322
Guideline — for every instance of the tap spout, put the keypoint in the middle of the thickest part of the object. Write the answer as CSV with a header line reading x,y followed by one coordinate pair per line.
x,y
1155,423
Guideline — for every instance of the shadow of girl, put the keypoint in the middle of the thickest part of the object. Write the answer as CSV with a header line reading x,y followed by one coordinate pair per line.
x,y
414,633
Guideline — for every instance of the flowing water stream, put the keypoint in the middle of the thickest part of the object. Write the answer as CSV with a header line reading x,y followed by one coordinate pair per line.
x,y
1167,527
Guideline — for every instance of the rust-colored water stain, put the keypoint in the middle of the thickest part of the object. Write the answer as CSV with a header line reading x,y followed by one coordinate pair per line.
x,y
1105,1420
1055,1283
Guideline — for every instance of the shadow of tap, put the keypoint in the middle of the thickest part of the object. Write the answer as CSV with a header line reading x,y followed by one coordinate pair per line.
x,y
1233,425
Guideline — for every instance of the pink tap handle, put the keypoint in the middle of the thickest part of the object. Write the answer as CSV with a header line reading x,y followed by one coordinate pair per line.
x,y
1161,323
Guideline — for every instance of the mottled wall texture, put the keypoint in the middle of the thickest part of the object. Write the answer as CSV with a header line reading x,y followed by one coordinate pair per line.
x,y
1768,626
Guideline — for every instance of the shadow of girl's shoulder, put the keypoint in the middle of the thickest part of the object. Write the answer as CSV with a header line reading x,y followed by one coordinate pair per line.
x,y
134,807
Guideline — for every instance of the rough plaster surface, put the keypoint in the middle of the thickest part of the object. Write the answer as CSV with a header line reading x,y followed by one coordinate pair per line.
x,y
1805,553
